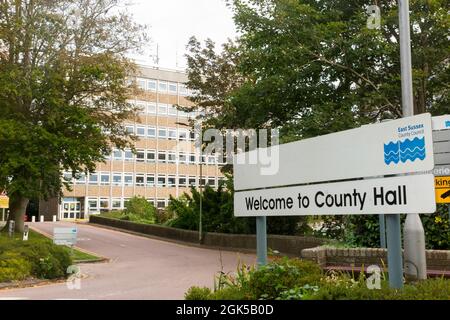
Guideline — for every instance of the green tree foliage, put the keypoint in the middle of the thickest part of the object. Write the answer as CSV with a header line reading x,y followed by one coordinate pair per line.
x,y
139,209
63,91
313,67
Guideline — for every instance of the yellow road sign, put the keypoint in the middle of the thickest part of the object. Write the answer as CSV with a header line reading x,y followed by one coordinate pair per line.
x,y
442,187
4,202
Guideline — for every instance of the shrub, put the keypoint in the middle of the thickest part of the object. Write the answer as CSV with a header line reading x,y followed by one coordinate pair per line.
x,y
36,257
140,210
218,214
268,282
13,267
197,293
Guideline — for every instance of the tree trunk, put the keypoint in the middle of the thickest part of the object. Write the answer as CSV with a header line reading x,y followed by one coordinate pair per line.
x,y
17,209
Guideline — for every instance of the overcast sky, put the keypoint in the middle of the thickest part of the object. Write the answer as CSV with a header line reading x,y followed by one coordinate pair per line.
x,y
173,22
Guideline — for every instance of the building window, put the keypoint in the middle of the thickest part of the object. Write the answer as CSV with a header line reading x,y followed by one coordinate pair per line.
x,y
172,111
211,160
182,114
151,156
104,204
116,204
141,84
151,108
161,156
162,133
128,179
93,178
203,159
141,106
128,155
129,129
192,158
182,157
161,203
140,179
104,178
140,155
172,87
117,179
151,132
80,178
182,181
92,205
171,157
162,86
172,134
161,181
162,109
182,89
151,201
117,155
171,181
211,182
140,131
182,134
192,181
67,177
192,135
150,180
151,85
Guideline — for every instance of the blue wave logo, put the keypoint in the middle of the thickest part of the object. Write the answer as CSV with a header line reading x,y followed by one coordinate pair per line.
x,y
396,151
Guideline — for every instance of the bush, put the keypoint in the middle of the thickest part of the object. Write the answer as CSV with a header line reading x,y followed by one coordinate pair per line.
x,y
218,214
140,210
270,281
13,267
36,257
293,279
363,230
197,293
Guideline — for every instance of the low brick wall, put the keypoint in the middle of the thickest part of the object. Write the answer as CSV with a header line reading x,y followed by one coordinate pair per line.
x,y
357,257
289,245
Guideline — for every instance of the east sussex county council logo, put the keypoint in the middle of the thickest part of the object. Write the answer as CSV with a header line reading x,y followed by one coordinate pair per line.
x,y
402,151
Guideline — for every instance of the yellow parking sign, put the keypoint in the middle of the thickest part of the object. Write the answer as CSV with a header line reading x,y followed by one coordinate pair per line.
x,y
442,187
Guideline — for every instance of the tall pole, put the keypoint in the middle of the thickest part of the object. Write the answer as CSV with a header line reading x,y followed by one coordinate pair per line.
x,y
200,226
414,236
394,245
382,230
261,240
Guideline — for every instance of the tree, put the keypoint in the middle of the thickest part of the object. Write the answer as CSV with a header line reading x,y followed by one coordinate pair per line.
x,y
313,67
63,91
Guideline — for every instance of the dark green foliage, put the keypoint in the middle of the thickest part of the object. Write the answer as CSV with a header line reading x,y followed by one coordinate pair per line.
x,y
270,281
293,279
197,293
437,228
36,257
218,214
363,230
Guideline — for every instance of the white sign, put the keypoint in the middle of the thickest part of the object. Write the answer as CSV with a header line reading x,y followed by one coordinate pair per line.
x,y
402,194
394,147
65,236
441,122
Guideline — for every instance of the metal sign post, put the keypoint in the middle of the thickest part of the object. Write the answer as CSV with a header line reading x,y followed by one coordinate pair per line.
x,y
382,223
261,240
